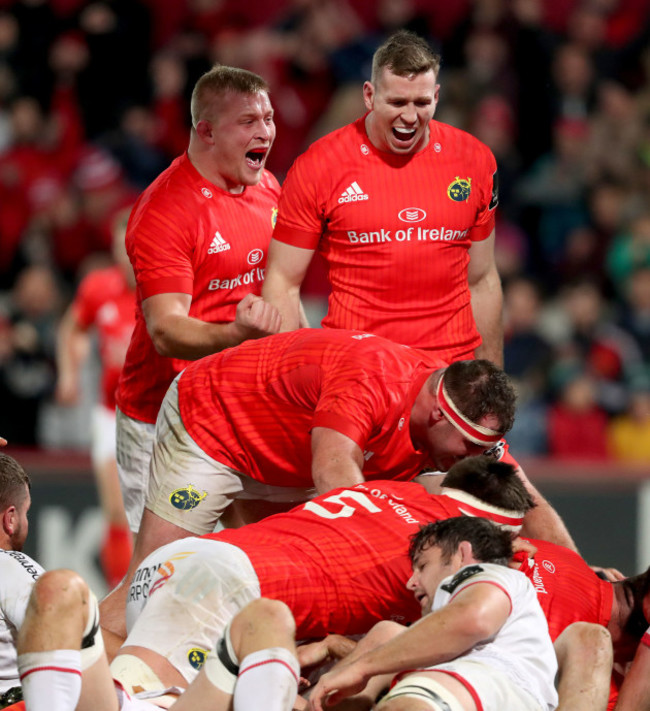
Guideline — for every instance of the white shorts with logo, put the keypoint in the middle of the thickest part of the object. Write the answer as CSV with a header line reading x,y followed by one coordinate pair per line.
x,y
495,690
182,597
189,488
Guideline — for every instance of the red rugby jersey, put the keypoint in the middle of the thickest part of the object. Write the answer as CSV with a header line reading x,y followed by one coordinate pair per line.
x,y
395,232
105,300
253,407
341,560
186,235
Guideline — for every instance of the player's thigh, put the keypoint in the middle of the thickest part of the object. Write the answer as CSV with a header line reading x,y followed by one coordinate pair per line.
x,y
427,691
192,596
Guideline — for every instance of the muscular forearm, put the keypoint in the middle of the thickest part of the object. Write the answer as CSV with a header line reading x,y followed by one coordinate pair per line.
x,y
189,338
285,298
545,523
487,305
436,638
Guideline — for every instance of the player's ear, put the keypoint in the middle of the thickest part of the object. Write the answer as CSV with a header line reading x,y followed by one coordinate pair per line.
x,y
9,517
368,95
466,553
204,130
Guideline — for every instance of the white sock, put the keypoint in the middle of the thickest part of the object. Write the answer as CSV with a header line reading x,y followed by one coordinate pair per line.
x,y
51,680
270,674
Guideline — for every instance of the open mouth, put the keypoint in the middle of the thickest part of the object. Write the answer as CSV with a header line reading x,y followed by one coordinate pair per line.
x,y
255,158
403,134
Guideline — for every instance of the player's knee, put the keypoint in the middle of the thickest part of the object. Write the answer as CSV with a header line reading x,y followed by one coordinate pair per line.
x,y
58,591
275,613
587,643
384,631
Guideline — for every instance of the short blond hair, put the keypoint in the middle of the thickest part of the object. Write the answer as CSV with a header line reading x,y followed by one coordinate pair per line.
x,y
219,81
404,53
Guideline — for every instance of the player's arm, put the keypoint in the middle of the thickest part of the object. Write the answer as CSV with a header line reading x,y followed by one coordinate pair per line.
x,y
544,521
635,692
487,299
176,334
473,616
285,271
336,460
72,348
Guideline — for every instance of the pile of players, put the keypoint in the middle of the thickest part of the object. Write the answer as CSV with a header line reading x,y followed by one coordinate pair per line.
x,y
344,432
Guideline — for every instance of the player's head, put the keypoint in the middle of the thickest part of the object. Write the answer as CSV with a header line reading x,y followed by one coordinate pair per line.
x,y
15,501
232,120
489,488
440,549
402,93
463,410
635,592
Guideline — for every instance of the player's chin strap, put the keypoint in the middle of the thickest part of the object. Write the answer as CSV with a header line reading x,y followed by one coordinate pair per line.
x,y
478,434
473,506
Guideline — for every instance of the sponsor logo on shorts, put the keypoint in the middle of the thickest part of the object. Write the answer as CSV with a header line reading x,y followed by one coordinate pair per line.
x,y
412,214
460,189
196,657
187,498
353,193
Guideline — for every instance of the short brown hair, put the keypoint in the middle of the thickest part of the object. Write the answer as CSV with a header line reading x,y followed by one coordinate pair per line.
x,y
404,53
489,480
490,544
14,482
479,388
220,80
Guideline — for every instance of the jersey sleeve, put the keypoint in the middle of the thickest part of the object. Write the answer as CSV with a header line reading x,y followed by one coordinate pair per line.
x,y
485,219
159,241
18,573
479,573
354,406
301,210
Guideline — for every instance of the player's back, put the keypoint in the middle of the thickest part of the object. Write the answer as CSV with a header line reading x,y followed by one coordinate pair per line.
x,y
567,588
341,561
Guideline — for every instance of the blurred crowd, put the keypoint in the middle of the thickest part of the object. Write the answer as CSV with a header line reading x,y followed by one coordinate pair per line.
x,y
94,103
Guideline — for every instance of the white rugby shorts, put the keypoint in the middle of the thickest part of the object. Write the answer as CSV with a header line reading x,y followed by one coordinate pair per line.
x,y
182,597
134,442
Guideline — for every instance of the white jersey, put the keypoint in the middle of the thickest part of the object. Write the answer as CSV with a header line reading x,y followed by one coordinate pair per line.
x,y
522,649
18,573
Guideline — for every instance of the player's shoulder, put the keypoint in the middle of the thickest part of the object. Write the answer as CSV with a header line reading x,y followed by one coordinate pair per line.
x,y
444,133
17,567
484,573
330,144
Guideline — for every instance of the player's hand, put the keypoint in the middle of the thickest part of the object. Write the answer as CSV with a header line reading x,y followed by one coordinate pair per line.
x,y
610,574
3,442
332,647
256,318
343,681
521,545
